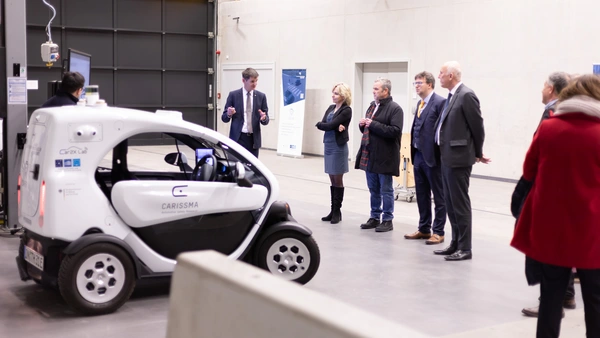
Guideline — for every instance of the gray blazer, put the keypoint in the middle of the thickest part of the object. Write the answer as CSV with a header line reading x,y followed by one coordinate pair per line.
x,y
462,132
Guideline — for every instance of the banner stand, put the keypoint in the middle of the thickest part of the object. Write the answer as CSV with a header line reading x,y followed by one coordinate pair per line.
x,y
291,113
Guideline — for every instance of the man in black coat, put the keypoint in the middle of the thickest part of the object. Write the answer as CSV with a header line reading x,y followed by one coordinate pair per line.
x,y
379,154
69,92
459,135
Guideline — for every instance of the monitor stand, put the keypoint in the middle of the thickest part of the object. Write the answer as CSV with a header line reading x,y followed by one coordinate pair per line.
x,y
53,87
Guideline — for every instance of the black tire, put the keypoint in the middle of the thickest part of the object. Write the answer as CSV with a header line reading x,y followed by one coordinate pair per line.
x,y
71,266
308,272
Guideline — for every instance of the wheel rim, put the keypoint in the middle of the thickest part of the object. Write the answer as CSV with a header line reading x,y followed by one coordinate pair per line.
x,y
288,258
100,278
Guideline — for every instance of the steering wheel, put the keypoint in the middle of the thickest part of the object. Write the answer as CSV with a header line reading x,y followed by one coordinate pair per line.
x,y
204,170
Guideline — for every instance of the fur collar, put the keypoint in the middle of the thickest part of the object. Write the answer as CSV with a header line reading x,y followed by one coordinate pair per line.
x,y
579,104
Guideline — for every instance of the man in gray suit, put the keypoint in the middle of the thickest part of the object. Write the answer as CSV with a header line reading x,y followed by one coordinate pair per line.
x,y
459,135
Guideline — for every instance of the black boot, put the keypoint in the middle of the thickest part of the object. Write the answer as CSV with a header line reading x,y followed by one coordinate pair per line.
x,y
328,217
338,198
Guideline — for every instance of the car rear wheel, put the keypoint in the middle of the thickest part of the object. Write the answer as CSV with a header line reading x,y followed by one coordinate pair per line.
x,y
290,255
99,279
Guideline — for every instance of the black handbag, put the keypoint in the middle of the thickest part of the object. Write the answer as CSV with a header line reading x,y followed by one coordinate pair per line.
x,y
519,195
533,268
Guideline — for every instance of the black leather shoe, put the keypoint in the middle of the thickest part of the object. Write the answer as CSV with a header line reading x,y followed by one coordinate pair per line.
x,y
385,226
372,223
447,251
459,256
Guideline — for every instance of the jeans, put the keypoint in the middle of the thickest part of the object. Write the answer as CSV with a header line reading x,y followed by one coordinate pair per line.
x,y
381,188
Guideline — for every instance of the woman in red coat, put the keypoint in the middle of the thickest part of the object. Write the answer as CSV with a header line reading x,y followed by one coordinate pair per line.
x,y
559,225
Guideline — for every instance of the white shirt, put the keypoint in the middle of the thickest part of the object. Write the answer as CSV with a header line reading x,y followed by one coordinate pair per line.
x,y
452,91
426,100
245,98
549,104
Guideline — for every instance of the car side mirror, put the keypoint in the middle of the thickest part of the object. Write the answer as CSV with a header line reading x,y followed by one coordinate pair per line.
x,y
240,176
176,159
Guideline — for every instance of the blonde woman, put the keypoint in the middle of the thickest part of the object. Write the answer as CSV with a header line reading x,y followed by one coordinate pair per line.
x,y
335,125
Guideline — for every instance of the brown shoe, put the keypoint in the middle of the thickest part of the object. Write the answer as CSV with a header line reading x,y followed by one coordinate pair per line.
x,y
417,235
435,239
534,311
569,303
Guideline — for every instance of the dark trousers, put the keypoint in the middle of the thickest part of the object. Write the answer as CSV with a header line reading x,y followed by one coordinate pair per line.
x,y
247,141
571,288
570,294
428,180
555,280
458,204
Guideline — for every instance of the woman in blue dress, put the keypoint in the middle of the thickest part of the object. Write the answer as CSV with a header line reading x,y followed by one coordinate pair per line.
x,y
335,124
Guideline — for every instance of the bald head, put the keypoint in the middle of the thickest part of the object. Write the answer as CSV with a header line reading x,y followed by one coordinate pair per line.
x,y
450,74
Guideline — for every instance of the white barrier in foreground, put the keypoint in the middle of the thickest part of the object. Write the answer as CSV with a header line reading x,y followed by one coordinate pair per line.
x,y
213,296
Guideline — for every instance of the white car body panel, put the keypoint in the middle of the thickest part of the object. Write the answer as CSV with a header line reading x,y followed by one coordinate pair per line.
x,y
81,137
144,203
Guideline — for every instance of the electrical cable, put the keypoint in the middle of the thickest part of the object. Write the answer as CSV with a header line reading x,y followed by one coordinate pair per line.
x,y
7,232
48,31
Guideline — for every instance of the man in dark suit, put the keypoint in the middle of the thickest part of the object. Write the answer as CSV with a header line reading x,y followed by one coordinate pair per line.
x,y
69,92
459,135
555,83
428,175
247,109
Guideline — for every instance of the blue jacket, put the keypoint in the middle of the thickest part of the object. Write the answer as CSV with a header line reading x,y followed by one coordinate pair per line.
x,y
427,145
236,100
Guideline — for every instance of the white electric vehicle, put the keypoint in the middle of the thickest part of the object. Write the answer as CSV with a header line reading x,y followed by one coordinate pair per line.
x,y
94,224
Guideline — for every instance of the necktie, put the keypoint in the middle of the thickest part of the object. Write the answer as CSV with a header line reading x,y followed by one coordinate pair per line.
x,y
249,113
421,108
446,107
444,113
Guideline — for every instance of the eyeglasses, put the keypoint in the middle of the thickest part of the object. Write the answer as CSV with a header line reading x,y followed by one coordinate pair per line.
x,y
417,83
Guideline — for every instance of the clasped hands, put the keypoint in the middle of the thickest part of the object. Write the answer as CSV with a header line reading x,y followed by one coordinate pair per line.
x,y
364,122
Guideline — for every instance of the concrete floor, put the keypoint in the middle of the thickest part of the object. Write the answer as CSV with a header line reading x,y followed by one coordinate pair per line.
x,y
383,273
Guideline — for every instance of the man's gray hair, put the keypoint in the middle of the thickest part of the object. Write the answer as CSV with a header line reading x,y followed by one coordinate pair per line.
x,y
385,84
453,67
558,81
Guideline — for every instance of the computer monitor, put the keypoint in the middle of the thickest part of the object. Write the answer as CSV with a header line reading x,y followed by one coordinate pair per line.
x,y
80,62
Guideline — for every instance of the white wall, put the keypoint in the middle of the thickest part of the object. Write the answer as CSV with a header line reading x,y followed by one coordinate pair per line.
x,y
506,48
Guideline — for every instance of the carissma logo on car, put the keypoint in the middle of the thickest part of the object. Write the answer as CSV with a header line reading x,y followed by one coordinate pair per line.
x,y
180,205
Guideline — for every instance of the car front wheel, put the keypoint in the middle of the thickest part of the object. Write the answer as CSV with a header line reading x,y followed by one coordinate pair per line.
x,y
97,280
290,255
